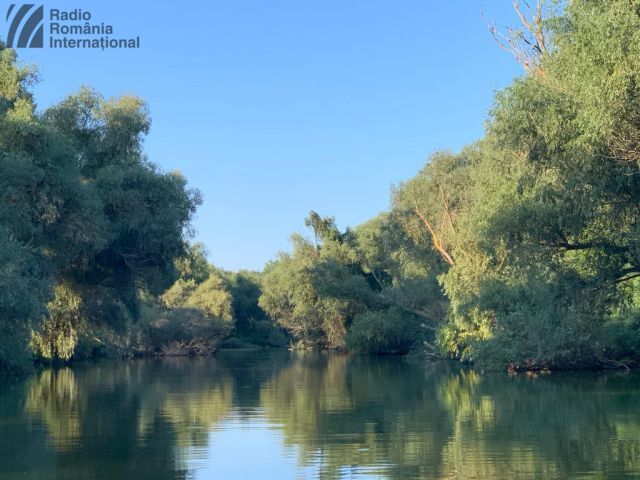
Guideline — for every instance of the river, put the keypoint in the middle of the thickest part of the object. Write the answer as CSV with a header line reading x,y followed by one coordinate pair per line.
x,y
283,415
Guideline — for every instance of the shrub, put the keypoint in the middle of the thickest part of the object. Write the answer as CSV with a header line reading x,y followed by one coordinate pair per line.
x,y
389,331
181,331
57,338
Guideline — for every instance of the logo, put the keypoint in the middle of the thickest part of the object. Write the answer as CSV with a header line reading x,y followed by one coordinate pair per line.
x,y
26,26
75,29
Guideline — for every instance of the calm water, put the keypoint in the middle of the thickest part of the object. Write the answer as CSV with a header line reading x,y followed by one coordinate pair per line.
x,y
280,415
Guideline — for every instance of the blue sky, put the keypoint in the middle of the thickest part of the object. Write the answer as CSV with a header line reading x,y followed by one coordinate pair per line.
x,y
273,108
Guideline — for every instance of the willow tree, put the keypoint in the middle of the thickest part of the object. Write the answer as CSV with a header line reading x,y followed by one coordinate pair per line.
x,y
552,233
48,217
81,209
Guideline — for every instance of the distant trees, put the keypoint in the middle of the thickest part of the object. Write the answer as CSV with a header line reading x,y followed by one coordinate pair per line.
x,y
319,290
291,298
251,323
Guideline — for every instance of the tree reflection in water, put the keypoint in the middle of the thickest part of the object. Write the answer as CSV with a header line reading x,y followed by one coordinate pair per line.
x,y
382,417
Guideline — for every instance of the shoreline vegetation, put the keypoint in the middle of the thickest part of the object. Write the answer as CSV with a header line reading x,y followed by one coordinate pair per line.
x,y
520,252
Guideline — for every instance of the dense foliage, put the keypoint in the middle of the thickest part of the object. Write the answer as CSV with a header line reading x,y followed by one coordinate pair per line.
x,y
318,290
523,249
88,224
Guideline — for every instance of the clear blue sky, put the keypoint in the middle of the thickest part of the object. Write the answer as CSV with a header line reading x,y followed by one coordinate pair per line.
x,y
274,108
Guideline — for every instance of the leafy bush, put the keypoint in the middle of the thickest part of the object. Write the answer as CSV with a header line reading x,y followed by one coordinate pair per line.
x,y
23,286
264,333
389,331
212,297
181,331
58,336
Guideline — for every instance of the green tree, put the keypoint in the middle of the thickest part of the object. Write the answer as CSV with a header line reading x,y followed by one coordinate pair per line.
x,y
80,206
552,233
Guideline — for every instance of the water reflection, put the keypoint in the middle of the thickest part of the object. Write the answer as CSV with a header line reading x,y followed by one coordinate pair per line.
x,y
274,414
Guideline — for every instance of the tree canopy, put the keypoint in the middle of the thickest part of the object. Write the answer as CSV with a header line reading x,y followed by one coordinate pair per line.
x,y
521,250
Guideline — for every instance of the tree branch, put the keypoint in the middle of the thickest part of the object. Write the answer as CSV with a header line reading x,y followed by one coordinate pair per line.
x,y
437,243
527,50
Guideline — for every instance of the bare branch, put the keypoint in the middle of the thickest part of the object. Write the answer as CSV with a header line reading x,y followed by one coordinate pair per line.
x,y
528,45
